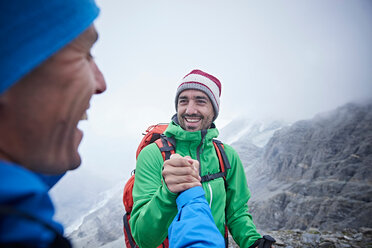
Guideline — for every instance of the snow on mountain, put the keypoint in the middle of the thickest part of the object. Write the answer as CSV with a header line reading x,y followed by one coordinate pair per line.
x,y
103,225
257,132
105,200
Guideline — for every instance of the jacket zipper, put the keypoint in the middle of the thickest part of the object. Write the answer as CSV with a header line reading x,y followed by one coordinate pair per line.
x,y
199,148
211,193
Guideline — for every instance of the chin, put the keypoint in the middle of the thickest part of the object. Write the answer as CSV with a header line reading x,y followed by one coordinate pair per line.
x,y
194,128
75,163
70,164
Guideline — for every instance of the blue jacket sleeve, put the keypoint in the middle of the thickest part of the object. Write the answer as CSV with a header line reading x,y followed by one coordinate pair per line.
x,y
194,225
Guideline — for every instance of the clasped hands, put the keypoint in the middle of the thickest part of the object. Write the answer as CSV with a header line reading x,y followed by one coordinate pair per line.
x,y
181,173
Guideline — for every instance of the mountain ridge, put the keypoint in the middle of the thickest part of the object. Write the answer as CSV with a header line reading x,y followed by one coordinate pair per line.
x,y
322,168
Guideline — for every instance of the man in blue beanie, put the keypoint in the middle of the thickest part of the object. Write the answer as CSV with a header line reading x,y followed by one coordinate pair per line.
x,y
47,78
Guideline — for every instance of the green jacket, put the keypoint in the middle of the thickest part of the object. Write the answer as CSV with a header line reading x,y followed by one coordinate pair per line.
x,y
155,206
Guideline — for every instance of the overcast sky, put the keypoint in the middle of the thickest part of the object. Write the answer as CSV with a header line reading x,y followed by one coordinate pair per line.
x,y
275,59
281,59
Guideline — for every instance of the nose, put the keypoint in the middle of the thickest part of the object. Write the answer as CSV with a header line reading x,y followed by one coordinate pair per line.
x,y
191,109
100,80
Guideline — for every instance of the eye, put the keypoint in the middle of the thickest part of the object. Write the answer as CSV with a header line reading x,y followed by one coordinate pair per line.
x,y
201,101
182,101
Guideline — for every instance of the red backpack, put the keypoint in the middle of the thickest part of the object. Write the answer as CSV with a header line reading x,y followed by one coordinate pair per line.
x,y
166,145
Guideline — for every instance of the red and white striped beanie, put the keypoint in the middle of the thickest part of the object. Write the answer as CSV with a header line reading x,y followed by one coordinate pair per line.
x,y
199,80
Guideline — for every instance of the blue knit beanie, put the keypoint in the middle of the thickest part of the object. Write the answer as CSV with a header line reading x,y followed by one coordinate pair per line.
x,y
33,30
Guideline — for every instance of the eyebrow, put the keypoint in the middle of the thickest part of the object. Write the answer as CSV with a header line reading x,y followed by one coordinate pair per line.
x,y
196,97
201,98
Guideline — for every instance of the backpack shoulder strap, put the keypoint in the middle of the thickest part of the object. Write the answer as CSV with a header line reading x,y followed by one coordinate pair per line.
x,y
220,149
224,165
223,162
166,146
128,231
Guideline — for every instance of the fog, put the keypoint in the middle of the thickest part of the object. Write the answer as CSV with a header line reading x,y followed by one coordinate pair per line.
x,y
286,60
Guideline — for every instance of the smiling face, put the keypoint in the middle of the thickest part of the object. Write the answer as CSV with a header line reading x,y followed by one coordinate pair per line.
x,y
194,110
41,112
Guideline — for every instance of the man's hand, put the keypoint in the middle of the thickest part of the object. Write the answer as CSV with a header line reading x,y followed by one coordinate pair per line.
x,y
265,242
181,173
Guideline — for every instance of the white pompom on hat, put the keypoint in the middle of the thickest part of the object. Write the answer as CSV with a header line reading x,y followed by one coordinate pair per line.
x,y
199,80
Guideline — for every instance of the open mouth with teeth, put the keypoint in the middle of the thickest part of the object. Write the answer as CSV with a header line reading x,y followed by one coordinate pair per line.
x,y
192,122
192,119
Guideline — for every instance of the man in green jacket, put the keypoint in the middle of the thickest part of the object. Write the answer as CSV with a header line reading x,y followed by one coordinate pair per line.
x,y
158,183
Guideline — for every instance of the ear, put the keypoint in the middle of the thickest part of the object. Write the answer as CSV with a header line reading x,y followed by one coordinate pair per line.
x,y
3,100
6,104
3,127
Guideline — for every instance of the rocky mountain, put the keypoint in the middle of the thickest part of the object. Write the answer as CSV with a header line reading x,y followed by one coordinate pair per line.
x,y
314,173
103,227
314,238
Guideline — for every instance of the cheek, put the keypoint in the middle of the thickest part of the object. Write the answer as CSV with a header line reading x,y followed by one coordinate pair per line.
x,y
209,112
180,110
83,80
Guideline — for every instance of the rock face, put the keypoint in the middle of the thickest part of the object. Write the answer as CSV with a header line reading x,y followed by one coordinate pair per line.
x,y
314,173
314,238
103,226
